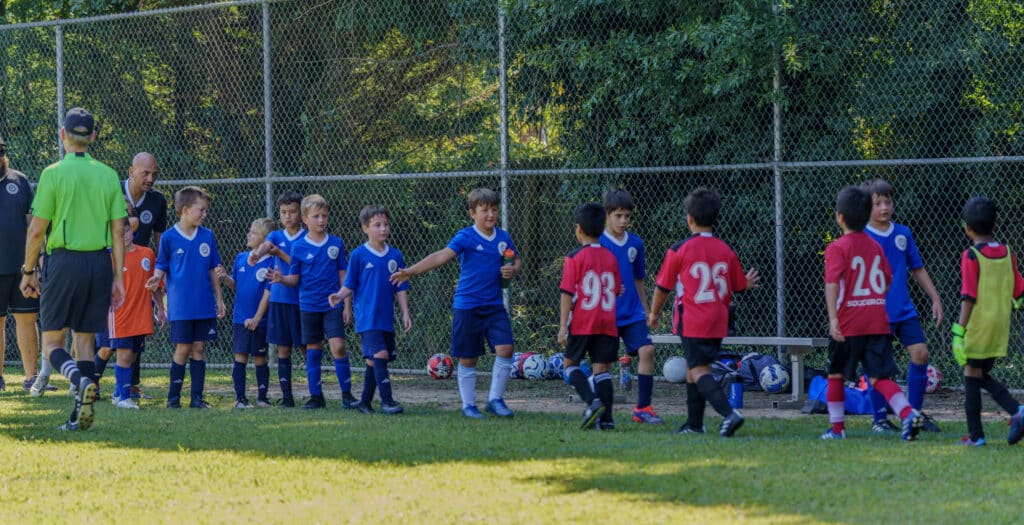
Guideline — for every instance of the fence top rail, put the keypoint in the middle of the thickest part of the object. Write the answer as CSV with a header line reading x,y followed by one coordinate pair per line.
x,y
134,14
813,342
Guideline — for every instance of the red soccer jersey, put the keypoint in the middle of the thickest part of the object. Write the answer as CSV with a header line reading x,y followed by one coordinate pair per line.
x,y
969,270
591,277
857,264
704,272
135,316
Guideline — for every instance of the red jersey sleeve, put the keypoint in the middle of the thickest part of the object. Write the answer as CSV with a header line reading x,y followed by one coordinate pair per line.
x,y
1018,281
668,274
968,276
737,276
835,264
569,280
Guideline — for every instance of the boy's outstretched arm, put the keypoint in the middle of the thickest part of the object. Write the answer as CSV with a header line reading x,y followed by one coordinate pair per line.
x,y
218,295
403,307
254,322
564,306
925,282
153,283
831,305
337,297
426,264
275,276
158,307
657,301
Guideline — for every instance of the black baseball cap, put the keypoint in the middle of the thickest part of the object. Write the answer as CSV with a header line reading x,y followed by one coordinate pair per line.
x,y
78,121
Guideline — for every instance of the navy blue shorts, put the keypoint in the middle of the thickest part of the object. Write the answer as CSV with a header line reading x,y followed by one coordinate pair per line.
x,y
873,352
635,336
251,342
317,324
908,332
11,300
700,351
192,330
471,327
136,343
284,325
374,341
77,289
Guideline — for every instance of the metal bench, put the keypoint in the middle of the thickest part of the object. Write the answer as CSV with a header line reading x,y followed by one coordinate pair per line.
x,y
796,347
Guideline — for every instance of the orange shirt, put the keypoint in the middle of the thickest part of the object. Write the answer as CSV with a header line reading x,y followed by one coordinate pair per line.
x,y
135,316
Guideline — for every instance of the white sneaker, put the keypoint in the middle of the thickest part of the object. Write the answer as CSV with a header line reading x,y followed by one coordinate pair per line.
x,y
242,405
127,403
114,400
38,388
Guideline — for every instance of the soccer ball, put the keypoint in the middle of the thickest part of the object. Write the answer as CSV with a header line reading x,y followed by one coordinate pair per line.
x,y
440,366
556,366
934,379
517,362
774,378
674,369
535,367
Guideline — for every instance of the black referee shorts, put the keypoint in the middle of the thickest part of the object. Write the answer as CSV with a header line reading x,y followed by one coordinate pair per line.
x,y
76,291
11,300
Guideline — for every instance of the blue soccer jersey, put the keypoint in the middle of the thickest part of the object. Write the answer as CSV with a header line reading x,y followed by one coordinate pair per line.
x,y
902,255
368,276
317,265
280,293
479,266
629,252
250,284
187,261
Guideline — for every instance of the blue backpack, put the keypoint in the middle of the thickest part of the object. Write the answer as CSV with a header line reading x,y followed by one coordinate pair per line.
x,y
857,401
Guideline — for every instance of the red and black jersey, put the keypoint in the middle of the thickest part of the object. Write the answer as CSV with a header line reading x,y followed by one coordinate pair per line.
x,y
591,277
704,272
969,269
858,265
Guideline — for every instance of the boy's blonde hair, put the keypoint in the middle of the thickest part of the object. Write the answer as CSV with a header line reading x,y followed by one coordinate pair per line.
x,y
482,196
188,196
263,226
312,202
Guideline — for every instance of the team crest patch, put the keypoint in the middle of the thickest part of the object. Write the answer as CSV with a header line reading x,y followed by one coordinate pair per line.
x,y
146,217
146,264
392,266
631,253
261,274
204,250
901,242
501,247
332,252
12,188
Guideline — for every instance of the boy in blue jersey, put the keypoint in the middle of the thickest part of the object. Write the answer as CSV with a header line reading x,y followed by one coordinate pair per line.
x,y
188,257
478,308
901,252
283,324
369,269
631,306
252,297
317,269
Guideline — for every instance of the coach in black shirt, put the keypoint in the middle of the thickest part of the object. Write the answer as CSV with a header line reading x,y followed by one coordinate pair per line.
x,y
148,207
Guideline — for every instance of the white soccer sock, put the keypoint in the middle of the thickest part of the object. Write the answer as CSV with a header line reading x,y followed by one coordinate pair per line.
x,y
499,377
467,385
45,368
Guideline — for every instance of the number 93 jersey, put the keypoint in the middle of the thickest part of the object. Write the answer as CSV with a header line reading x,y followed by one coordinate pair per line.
x,y
858,265
707,272
591,277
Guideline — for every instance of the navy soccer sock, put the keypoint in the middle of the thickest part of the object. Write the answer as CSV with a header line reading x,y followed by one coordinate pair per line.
x,y
917,380
605,392
100,365
579,381
999,394
197,373
710,390
369,385
695,404
380,374
972,406
284,376
88,369
137,370
879,408
63,363
644,390
343,370
262,381
177,381
313,358
238,380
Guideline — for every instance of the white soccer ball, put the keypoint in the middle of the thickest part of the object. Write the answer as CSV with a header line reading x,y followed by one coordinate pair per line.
x,y
535,367
556,366
674,370
934,379
774,379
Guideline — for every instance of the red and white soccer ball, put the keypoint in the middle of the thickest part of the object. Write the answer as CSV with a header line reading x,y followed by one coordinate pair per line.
x,y
934,379
440,366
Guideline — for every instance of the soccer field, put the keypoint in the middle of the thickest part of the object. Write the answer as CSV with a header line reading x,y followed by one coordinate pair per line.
x,y
432,466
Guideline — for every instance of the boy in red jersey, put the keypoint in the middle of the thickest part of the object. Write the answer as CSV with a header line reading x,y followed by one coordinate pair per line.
x,y
857,277
590,283
709,272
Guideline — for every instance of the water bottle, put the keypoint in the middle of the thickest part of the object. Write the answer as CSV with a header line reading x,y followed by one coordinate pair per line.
x,y
735,391
625,374
508,258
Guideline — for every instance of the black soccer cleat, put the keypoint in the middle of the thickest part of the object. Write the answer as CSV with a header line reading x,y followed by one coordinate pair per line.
x,y
315,402
592,413
731,424
348,401
365,408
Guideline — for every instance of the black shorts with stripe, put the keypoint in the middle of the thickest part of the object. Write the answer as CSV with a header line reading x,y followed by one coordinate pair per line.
x,y
76,291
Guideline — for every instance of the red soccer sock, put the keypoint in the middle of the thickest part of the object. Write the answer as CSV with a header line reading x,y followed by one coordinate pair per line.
x,y
894,396
835,396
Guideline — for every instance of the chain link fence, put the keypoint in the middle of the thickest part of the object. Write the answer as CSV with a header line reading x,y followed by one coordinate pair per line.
x,y
413,104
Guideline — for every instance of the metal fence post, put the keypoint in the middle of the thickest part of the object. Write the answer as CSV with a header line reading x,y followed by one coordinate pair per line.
x,y
780,268
59,45
503,127
268,139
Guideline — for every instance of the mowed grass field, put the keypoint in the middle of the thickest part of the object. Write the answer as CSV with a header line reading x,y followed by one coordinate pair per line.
x,y
432,466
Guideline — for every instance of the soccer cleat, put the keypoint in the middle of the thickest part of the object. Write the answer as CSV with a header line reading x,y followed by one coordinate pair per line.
x,y
364,409
910,426
288,402
647,415
884,426
199,403
391,408
315,402
114,400
243,405
592,413
606,424
26,385
968,442
40,386
128,403
263,403
472,412
68,426
83,404
1016,426
731,424
349,401
832,435
928,424
498,407
3,384
173,403
137,393
687,429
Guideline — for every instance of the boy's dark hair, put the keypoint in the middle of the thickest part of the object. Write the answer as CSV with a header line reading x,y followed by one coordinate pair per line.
x,y
980,215
289,197
370,211
703,204
617,199
880,187
485,196
590,217
854,204
188,196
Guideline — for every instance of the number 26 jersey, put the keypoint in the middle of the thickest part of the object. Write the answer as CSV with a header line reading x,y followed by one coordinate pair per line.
x,y
858,265
591,277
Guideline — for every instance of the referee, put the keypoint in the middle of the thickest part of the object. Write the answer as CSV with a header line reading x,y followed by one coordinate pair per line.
x,y
79,208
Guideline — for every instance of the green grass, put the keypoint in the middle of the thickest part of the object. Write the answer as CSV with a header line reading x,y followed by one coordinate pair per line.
x,y
432,466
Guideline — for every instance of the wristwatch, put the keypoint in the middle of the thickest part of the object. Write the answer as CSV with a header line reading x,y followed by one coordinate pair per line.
x,y
25,271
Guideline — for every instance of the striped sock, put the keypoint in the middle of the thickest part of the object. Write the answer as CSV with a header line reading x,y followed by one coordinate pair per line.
x,y
835,395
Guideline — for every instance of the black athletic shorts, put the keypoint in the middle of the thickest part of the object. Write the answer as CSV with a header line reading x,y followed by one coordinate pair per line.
x,y
602,349
11,300
700,351
76,291
872,351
